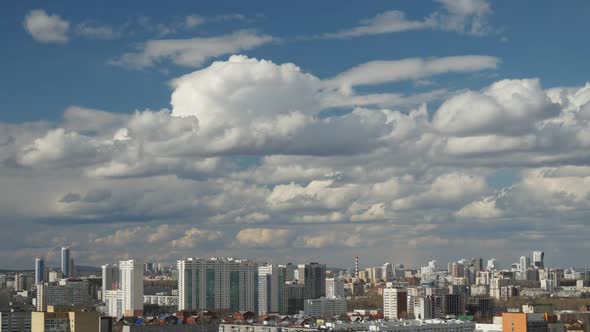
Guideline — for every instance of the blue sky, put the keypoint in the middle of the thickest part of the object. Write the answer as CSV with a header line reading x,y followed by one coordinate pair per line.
x,y
544,39
304,130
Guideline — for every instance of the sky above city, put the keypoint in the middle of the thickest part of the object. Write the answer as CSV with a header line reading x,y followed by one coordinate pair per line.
x,y
396,131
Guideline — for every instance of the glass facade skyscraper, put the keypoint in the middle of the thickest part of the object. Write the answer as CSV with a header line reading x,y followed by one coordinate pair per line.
x,y
65,261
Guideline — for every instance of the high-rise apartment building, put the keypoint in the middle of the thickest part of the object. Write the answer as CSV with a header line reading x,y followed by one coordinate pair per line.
x,y
539,259
65,261
69,292
110,279
478,264
23,282
39,270
217,283
387,272
314,279
113,300
293,298
458,270
72,272
290,269
131,285
395,303
335,288
271,281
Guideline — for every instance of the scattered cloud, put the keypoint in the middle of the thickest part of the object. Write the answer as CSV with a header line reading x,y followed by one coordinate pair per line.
x,y
378,72
387,22
464,16
46,28
191,52
93,30
263,238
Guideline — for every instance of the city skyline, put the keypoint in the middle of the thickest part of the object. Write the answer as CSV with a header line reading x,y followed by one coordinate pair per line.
x,y
394,131
532,259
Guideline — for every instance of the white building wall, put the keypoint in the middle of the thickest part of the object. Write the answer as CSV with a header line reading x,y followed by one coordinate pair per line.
x,y
131,284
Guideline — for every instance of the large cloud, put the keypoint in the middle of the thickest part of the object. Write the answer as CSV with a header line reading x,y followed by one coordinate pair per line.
x,y
249,158
507,106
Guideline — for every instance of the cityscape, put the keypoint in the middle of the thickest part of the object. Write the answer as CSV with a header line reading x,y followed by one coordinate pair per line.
x,y
295,166
229,294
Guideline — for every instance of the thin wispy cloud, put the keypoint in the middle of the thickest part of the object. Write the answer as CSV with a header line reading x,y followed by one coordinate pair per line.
x,y
464,16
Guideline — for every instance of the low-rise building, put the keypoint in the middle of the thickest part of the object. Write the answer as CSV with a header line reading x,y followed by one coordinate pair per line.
x,y
64,319
324,307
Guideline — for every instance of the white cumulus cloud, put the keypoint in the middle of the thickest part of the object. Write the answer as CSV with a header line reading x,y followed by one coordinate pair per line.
x,y
46,28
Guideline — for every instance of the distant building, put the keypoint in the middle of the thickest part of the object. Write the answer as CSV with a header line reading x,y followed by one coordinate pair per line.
x,y
335,288
381,326
64,319
293,298
65,261
23,282
324,307
110,279
161,300
15,321
74,292
54,276
481,308
522,322
395,303
131,285
113,300
39,270
425,307
539,259
313,276
217,283
271,281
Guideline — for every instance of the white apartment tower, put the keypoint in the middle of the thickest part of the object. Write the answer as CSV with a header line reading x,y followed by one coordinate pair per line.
x,y
395,303
131,285
334,288
217,283
271,281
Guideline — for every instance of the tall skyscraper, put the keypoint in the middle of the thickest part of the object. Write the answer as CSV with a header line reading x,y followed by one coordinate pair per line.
x,y
65,261
39,270
110,279
395,303
314,279
131,284
539,259
271,281
217,283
